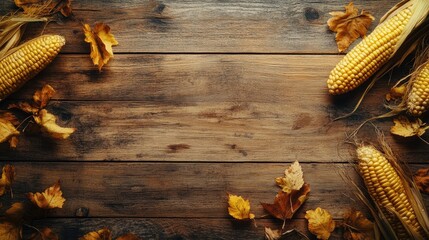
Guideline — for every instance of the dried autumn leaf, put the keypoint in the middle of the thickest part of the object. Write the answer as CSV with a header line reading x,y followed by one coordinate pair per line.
x,y
102,234
7,177
357,226
128,236
320,223
48,123
50,198
293,179
286,204
405,128
9,117
45,7
396,93
349,25
421,179
10,231
44,234
271,234
43,96
8,132
239,208
101,41
25,106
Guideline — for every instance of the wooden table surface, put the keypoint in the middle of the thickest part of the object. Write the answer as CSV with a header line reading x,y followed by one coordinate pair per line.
x,y
202,98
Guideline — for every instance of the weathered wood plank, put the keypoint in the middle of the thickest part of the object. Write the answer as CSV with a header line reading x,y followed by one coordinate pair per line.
x,y
210,26
160,228
178,190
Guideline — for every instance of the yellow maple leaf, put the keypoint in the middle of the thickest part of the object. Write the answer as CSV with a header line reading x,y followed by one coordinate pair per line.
x,y
293,179
320,223
349,25
102,234
48,123
239,208
10,231
128,236
101,41
8,132
50,198
7,177
406,128
44,234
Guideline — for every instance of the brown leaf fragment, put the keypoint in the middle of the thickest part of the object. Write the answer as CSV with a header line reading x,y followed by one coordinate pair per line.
x,y
43,96
7,177
357,226
44,234
16,212
24,106
272,234
349,25
396,93
320,223
8,116
48,124
102,234
45,7
101,41
406,128
128,236
10,231
50,198
421,178
286,204
8,132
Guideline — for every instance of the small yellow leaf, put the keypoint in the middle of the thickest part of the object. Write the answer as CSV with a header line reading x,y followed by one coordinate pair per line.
x,y
293,179
102,234
10,231
44,234
48,123
101,41
8,132
396,93
128,236
50,198
239,208
405,128
43,96
320,223
7,177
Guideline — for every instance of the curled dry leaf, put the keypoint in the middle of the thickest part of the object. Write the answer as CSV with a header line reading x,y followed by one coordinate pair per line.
x,y
42,97
349,25
8,132
101,41
406,128
44,234
293,179
50,198
48,123
10,231
102,234
239,208
357,226
128,236
45,7
286,204
421,179
7,177
396,93
320,223
272,234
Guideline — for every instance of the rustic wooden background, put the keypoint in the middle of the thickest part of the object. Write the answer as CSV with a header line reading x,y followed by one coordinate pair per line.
x,y
202,98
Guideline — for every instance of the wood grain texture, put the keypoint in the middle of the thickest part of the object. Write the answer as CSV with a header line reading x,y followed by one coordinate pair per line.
x,y
274,26
179,190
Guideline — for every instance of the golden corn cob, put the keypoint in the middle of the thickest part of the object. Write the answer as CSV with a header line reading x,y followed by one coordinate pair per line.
x,y
387,189
418,99
27,61
369,55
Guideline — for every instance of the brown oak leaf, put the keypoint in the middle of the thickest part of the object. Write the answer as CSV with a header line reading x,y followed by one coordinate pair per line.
x,y
320,223
406,128
45,7
286,204
7,177
47,121
357,226
102,234
349,25
44,234
421,179
50,198
101,41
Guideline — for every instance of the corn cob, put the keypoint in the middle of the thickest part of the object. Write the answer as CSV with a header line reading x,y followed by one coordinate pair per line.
x,y
418,98
26,61
369,55
387,189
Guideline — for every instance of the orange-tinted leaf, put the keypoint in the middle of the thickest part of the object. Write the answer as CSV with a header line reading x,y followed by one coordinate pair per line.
x,y
48,124
7,177
422,179
10,117
45,7
44,234
50,198
357,226
286,204
102,234
320,223
41,97
10,231
349,25
239,208
128,236
101,41
7,132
